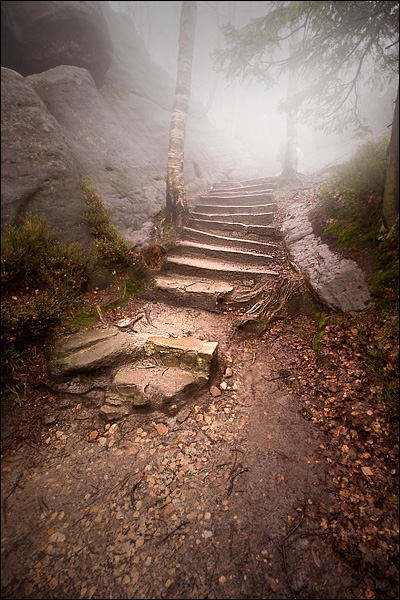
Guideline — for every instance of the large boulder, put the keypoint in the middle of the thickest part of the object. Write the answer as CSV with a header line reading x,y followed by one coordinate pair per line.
x,y
36,36
116,136
120,372
335,281
38,171
120,144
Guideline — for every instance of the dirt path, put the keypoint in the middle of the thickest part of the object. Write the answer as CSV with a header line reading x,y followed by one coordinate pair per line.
x,y
224,500
236,496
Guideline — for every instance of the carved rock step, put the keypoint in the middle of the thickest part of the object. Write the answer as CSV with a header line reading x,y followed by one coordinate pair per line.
x,y
248,183
196,292
264,231
240,243
190,249
209,294
214,269
259,218
236,199
126,370
235,209
241,189
246,192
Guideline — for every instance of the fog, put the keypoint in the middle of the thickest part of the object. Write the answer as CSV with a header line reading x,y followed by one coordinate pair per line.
x,y
247,111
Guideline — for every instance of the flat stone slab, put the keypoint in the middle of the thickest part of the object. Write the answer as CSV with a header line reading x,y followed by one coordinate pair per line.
x,y
193,286
94,349
123,371
194,291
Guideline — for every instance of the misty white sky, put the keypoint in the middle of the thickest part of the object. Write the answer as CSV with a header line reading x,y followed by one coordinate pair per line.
x,y
246,111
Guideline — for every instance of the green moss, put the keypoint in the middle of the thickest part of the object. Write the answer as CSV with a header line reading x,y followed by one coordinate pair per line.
x,y
83,318
110,91
383,365
149,349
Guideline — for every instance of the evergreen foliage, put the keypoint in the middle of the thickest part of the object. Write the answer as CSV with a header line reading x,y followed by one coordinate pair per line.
x,y
339,43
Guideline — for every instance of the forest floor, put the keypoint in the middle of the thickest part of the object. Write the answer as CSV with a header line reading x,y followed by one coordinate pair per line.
x,y
285,485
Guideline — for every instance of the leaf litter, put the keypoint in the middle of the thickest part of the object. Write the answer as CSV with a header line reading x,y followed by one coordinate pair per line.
x,y
282,486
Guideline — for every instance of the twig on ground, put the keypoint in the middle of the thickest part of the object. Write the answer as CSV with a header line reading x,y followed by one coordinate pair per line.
x,y
284,555
135,486
174,531
235,472
14,487
101,317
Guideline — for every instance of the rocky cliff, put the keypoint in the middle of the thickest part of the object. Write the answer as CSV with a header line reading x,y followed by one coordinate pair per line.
x,y
71,120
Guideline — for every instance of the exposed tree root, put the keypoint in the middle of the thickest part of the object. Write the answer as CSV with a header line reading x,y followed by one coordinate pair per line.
x,y
275,296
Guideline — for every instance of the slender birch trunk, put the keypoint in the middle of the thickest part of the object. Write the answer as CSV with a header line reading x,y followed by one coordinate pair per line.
x,y
176,206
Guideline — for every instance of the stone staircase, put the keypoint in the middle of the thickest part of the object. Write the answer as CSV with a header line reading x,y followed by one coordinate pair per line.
x,y
230,251
231,257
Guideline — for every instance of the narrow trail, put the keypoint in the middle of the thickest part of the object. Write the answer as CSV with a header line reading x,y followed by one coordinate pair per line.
x,y
225,499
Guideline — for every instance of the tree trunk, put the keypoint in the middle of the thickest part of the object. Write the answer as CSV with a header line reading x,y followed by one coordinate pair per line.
x,y
391,194
176,206
290,159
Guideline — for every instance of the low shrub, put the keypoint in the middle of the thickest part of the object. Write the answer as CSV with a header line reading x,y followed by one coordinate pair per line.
x,y
351,200
41,277
384,282
112,250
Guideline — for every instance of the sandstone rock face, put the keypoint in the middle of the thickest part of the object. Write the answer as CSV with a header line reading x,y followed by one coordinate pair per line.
x,y
338,283
121,372
120,144
37,36
116,136
38,170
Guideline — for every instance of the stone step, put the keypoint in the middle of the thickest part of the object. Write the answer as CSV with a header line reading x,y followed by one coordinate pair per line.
x,y
221,253
133,371
195,292
239,192
262,231
235,199
235,209
240,243
260,181
245,189
260,218
214,269
260,187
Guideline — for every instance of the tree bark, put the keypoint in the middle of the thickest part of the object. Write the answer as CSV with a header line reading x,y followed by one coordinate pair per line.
x,y
391,194
176,206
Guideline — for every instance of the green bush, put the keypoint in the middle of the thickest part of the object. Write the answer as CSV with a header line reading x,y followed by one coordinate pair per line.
x,y
364,174
32,254
41,277
384,283
351,200
111,248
